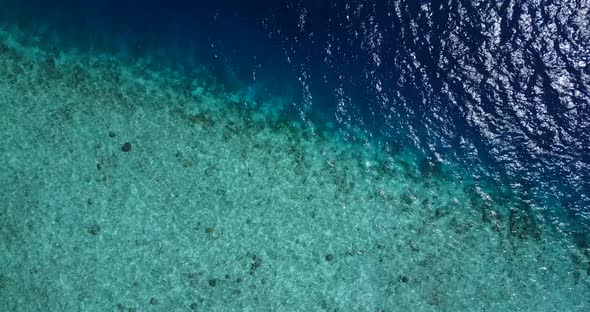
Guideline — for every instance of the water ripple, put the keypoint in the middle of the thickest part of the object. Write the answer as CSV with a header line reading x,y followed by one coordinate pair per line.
x,y
499,87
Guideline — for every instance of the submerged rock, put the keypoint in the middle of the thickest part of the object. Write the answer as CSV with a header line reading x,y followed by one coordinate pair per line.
x,y
94,229
523,224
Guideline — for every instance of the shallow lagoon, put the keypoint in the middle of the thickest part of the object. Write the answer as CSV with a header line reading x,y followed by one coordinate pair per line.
x,y
223,202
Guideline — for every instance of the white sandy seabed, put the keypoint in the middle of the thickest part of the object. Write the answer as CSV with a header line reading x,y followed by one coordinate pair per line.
x,y
224,206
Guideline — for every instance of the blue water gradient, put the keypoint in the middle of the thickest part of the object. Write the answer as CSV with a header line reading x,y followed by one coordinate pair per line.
x,y
499,91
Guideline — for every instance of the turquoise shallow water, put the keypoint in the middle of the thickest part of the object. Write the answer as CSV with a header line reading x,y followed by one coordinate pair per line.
x,y
224,201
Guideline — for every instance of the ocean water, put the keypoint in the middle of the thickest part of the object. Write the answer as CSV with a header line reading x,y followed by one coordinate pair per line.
x,y
294,156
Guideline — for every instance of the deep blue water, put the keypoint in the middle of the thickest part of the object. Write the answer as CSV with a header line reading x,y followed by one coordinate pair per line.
x,y
499,88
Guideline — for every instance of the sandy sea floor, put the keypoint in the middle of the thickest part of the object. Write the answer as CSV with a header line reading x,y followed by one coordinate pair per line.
x,y
220,203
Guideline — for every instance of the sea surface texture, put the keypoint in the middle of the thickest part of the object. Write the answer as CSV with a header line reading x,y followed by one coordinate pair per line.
x,y
294,155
